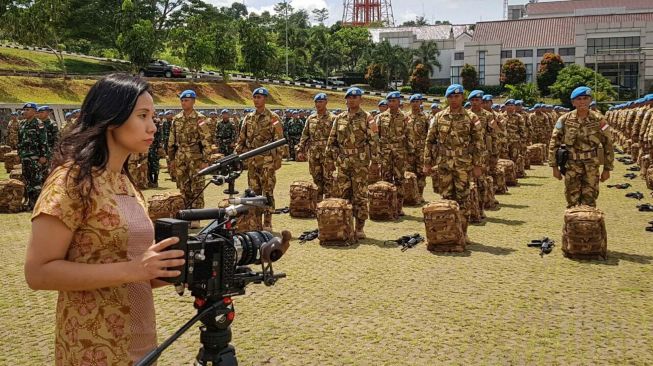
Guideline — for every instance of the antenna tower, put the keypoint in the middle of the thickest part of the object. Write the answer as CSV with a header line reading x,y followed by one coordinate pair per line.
x,y
366,12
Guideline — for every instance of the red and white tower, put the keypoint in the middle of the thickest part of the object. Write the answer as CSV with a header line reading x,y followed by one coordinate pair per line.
x,y
366,12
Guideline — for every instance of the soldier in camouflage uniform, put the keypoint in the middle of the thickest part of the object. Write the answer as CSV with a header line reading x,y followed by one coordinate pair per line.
x,y
12,130
352,145
153,154
189,150
517,135
499,138
454,146
396,143
582,131
314,139
259,128
212,122
34,152
294,132
43,114
4,124
488,129
225,134
419,123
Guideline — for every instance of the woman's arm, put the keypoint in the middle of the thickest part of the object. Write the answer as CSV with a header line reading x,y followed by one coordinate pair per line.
x,y
47,269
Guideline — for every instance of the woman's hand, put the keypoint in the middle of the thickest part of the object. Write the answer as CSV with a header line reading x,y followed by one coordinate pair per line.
x,y
156,260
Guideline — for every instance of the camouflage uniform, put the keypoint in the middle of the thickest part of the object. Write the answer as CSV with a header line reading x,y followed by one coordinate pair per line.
x,y
454,146
153,156
583,138
420,127
225,136
352,145
517,135
315,137
489,149
189,145
396,144
32,146
136,164
294,132
12,133
4,124
212,122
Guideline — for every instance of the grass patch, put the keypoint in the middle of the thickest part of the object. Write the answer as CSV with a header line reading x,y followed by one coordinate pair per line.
x,y
26,60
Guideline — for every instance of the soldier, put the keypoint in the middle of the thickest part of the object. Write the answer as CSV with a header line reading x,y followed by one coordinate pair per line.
x,y
420,127
294,132
34,152
314,140
499,137
435,108
383,105
189,150
165,136
212,122
153,154
4,124
582,131
43,114
352,145
259,128
488,128
12,130
225,134
454,146
517,135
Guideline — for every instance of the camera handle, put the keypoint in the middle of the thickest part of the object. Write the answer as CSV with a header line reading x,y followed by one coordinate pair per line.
x,y
215,334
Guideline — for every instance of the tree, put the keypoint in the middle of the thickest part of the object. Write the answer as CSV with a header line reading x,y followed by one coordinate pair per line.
x,y
427,55
395,60
355,41
320,15
225,47
548,70
574,76
139,43
257,51
469,76
376,77
526,92
419,80
325,51
418,22
513,72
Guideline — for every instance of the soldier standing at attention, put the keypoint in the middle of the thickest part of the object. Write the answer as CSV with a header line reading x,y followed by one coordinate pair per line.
x,y
582,132
420,126
43,114
34,152
225,134
488,127
454,146
12,131
153,153
189,150
212,122
295,128
352,145
314,138
516,130
259,128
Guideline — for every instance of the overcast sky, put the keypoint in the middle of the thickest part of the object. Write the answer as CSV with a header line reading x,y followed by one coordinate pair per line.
x,y
455,11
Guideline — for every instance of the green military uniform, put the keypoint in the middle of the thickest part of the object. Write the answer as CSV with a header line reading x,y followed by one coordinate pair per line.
x,y
153,156
295,127
419,123
33,146
225,136
314,139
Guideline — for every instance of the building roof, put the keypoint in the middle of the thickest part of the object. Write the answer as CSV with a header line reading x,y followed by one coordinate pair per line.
x,y
536,32
569,7
423,33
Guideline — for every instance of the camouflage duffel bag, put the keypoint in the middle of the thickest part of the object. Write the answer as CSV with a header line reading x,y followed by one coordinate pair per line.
x,y
164,205
374,173
544,150
12,161
383,201
488,199
411,189
17,174
250,221
535,154
3,150
474,204
303,199
510,170
444,226
335,222
649,178
584,235
500,186
11,195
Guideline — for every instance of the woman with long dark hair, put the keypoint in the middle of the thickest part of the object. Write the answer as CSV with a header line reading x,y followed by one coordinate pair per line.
x,y
91,236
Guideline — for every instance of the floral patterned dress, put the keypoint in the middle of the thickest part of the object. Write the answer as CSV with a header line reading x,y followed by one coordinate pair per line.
x,y
106,326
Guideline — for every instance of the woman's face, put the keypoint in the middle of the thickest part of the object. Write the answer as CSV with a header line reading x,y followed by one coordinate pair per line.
x,y
137,133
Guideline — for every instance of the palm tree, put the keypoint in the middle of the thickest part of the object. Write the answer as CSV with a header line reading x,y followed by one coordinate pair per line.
x,y
427,55
395,59
326,52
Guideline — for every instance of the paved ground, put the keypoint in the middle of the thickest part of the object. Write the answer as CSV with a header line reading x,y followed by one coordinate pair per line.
x,y
371,304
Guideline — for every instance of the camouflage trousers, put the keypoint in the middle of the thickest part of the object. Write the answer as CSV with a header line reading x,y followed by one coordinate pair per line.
x,y
581,183
454,185
322,175
393,168
417,167
33,175
262,179
153,166
351,184
225,146
189,183
292,143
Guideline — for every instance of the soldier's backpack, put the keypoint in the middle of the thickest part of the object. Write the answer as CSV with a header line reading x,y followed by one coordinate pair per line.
x,y
500,186
374,173
489,201
335,222
411,189
584,235
164,205
17,174
535,154
11,195
520,170
250,221
510,170
3,150
12,161
634,151
444,226
383,201
544,150
303,199
649,178
474,204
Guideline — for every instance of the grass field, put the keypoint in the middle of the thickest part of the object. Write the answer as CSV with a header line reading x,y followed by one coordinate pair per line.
x,y
499,303
26,60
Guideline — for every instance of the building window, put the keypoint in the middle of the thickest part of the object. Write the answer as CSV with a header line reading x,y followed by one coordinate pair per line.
x,y
542,51
529,73
612,43
506,54
524,53
459,56
455,74
570,51
481,67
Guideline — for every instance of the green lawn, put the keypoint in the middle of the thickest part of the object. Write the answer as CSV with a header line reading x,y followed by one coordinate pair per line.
x,y
499,303
26,60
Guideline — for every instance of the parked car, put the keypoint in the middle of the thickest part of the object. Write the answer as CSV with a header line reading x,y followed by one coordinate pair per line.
x,y
163,68
336,82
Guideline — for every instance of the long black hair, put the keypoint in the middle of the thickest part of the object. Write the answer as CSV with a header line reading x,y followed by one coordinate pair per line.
x,y
110,102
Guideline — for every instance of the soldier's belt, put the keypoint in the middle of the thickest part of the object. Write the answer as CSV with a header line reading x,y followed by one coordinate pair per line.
x,y
583,155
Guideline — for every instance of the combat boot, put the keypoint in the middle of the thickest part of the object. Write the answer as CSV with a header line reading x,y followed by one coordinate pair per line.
x,y
267,222
360,225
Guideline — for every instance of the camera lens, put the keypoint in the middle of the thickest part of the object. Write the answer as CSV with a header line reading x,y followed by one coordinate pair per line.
x,y
248,246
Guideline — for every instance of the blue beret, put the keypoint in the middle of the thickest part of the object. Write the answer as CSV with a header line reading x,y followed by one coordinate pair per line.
x,y
435,105
320,96
188,94
639,101
519,102
416,97
510,102
44,108
224,111
67,115
167,113
383,102
580,92
30,105
593,103
393,95
454,89
467,104
160,114
76,111
475,94
354,91
487,97
213,113
261,91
